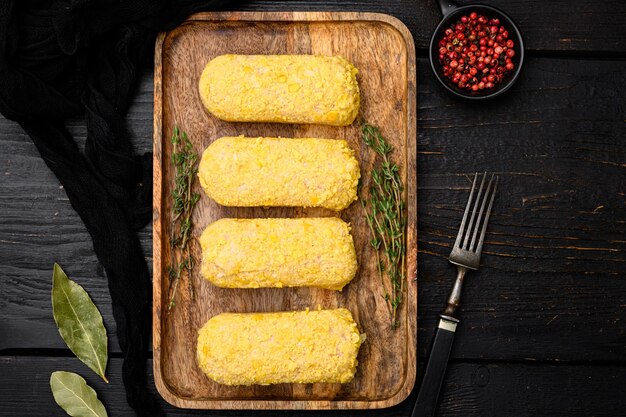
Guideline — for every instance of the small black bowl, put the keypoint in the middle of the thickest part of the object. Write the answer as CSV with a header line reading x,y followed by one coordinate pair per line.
x,y
451,13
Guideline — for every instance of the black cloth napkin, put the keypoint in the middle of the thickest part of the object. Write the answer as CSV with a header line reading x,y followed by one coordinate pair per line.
x,y
61,59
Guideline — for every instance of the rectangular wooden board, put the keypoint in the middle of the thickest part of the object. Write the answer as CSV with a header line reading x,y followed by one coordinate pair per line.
x,y
382,49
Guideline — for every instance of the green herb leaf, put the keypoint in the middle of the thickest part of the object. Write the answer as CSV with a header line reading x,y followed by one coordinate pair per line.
x,y
185,163
79,322
386,219
74,396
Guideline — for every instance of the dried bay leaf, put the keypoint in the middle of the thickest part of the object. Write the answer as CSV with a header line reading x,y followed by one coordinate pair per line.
x,y
74,396
79,322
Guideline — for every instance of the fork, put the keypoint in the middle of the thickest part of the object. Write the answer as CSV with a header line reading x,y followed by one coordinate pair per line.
x,y
465,255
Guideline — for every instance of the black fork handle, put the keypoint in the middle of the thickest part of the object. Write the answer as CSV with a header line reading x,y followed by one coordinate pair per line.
x,y
428,396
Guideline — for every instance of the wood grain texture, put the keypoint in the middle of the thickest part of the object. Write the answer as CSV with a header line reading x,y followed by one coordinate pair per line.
x,y
39,227
470,390
595,27
382,49
549,290
554,265
529,300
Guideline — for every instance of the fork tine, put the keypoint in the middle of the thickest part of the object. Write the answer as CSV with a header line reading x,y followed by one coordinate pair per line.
x,y
467,209
476,203
479,248
480,213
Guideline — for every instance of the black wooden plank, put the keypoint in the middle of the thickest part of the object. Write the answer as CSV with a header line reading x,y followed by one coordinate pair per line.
x,y
555,254
595,27
552,282
470,390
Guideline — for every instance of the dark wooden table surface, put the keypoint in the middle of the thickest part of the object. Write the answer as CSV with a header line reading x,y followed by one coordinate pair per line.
x,y
543,328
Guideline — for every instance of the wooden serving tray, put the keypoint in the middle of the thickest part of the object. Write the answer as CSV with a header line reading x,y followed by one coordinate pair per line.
x,y
382,49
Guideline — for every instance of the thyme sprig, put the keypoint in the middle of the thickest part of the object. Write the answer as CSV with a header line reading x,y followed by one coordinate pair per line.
x,y
185,163
385,217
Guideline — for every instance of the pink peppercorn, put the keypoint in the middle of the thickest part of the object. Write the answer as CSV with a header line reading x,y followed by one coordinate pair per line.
x,y
476,46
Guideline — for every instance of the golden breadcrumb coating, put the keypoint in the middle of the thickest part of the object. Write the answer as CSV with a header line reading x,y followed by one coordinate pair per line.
x,y
285,347
255,253
281,88
248,172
